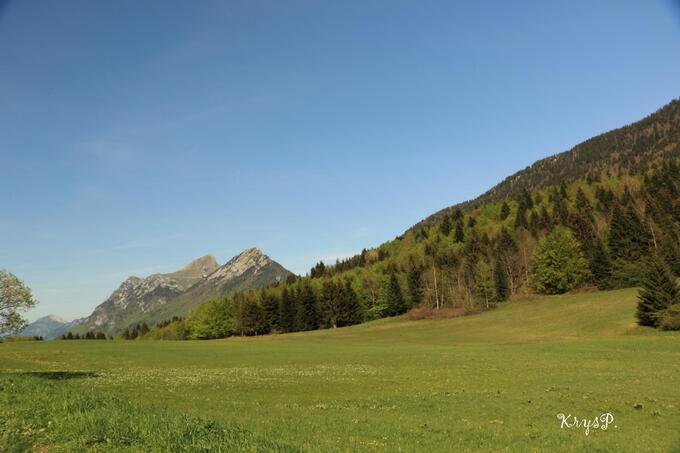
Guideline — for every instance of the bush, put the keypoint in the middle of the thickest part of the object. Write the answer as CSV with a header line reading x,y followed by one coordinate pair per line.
x,y
670,318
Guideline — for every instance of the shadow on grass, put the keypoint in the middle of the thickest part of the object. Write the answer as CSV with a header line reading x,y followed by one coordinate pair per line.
x,y
58,375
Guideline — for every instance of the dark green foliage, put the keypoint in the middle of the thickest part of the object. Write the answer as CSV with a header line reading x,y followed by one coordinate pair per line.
x,y
252,318
600,266
396,305
288,312
445,226
350,311
505,211
415,285
629,238
330,303
270,307
460,232
501,287
310,309
658,292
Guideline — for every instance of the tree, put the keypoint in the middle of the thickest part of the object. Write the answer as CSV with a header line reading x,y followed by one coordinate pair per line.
x,y
350,311
252,319
460,232
330,303
395,300
558,264
415,285
658,292
484,284
270,307
601,266
505,211
15,298
310,309
445,226
288,312
500,280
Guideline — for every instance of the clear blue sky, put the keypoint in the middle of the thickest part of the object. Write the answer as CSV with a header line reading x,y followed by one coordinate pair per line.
x,y
136,136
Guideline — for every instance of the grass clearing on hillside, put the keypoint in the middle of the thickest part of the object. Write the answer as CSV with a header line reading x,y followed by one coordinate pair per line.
x,y
494,381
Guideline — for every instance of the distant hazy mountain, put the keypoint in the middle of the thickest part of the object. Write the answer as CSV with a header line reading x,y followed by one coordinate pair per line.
x,y
49,327
162,296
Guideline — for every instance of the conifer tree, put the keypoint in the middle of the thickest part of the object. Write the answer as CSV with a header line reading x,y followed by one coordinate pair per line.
x,y
415,285
445,226
350,311
270,307
310,309
330,303
395,300
501,287
601,266
460,232
505,211
288,312
658,292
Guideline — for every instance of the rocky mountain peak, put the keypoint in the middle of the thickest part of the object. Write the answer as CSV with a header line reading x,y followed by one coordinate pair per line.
x,y
204,263
251,259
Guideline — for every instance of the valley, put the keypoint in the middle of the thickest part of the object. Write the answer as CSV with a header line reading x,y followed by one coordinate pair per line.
x,y
479,382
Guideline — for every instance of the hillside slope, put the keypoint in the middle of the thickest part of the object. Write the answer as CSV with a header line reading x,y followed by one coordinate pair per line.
x,y
630,149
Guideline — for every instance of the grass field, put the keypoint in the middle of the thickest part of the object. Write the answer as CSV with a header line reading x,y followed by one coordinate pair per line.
x,y
492,382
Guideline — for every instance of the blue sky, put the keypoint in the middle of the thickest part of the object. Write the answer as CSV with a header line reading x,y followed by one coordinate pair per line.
x,y
136,136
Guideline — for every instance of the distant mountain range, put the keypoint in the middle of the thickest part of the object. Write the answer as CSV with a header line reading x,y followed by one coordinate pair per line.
x,y
161,296
49,327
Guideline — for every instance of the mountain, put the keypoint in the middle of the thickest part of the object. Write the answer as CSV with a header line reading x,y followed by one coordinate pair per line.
x,y
631,149
606,207
49,327
162,296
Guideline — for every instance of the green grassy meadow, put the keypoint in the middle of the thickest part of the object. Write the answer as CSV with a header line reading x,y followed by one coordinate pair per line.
x,y
490,382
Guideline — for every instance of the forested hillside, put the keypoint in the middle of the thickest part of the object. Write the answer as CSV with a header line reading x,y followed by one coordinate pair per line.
x,y
587,217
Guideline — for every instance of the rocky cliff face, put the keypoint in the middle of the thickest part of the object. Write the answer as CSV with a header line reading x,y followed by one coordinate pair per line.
x,y
161,296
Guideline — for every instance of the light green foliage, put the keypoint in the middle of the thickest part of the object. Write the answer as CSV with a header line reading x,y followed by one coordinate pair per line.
x,y
484,284
558,264
44,412
15,298
494,382
212,320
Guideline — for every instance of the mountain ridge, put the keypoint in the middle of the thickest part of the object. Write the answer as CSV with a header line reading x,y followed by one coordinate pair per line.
x,y
162,296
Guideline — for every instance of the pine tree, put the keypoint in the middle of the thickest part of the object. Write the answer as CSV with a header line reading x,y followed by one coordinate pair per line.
x,y
505,211
310,309
330,303
395,300
252,321
601,266
350,311
270,307
288,312
415,285
501,287
445,226
460,232
659,291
